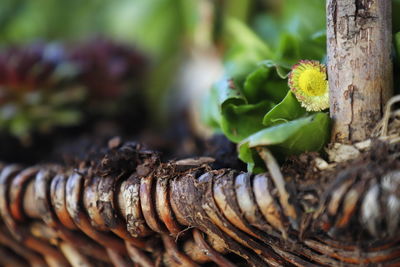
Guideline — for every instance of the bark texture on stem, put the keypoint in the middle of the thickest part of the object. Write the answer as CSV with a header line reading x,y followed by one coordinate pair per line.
x,y
359,36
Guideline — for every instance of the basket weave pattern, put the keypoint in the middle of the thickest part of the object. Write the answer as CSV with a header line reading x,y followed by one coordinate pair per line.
x,y
184,213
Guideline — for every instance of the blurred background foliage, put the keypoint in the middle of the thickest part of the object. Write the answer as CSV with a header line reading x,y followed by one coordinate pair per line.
x,y
176,35
157,27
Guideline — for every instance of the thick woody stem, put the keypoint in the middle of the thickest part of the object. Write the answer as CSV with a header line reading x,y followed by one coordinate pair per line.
x,y
359,36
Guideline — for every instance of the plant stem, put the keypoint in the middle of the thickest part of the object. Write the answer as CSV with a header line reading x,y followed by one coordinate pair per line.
x,y
360,70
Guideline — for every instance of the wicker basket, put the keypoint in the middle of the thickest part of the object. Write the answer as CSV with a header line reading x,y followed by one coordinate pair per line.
x,y
128,208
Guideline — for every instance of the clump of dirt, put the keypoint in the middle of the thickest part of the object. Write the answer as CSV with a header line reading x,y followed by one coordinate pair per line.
x,y
302,168
224,153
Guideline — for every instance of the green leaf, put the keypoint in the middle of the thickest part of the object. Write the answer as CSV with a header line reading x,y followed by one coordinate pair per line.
x,y
210,110
396,38
20,125
251,157
238,122
319,37
266,82
268,27
223,93
287,110
228,92
311,137
66,117
72,95
281,68
289,48
244,37
303,17
245,49
293,47
396,19
294,137
240,62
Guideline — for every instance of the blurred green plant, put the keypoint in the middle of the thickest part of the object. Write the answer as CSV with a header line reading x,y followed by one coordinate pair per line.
x,y
113,74
33,95
163,29
43,86
159,28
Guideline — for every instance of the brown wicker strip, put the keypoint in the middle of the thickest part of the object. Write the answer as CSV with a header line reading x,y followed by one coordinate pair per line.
x,y
186,214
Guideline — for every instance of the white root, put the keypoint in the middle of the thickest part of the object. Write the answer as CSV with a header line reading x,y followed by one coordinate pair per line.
x,y
276,175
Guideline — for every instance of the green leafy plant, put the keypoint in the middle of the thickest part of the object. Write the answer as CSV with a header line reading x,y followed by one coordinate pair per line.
x,y
253,106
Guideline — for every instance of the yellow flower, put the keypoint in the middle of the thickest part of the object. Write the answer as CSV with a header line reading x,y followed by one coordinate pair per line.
x,y
308,82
